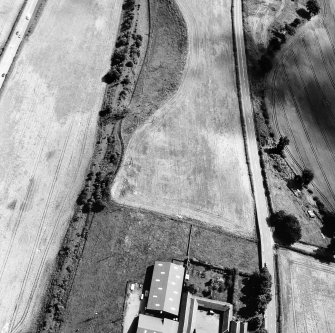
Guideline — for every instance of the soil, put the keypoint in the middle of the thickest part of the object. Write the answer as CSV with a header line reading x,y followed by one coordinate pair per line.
x,y
49,109
307,293
189,158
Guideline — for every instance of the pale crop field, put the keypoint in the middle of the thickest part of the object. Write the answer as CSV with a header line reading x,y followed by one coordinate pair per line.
x,y
9,10
49,108
302,100
189,158
307,291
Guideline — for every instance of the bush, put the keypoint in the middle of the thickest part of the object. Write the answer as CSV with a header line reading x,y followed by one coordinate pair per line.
x,y
280,146
255,322
126,80
129,64
83,196
295,23
287,227
307,176
290,29
313,7
112,76
331,247
304,13
265,63
274,44
328,221
121,41
119,56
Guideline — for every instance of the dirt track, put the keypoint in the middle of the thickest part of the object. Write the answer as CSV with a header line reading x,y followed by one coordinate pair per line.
x,y
9,9
49,109
189,159
302,100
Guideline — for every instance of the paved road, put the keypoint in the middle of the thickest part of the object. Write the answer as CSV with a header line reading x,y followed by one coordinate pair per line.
x,y
266,239
16,38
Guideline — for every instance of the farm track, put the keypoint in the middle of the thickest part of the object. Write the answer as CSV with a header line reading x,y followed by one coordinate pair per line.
x,y
277,100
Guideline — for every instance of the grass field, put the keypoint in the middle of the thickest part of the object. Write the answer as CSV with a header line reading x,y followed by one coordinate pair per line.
x,y
189,159
121,244
9,10
307,290
301,99
49,110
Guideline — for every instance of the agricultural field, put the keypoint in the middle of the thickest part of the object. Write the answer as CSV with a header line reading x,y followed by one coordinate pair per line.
x,y
307,291
9,10
301,100
49,108
189,157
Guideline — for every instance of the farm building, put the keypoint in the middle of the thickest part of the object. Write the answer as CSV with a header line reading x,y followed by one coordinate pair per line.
x,y
166,288
192,315
148,324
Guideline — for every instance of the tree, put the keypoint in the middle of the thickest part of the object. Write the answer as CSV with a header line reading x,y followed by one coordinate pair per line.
x,y
265,280
261,330
287,227
255,322
328,221
304,13
265,63
313,7
282,143
275,44
307,176
331,247
295,23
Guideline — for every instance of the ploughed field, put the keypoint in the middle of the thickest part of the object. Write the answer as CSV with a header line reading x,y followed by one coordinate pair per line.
x,y
307,291
49,108
302,99
9,10
189,157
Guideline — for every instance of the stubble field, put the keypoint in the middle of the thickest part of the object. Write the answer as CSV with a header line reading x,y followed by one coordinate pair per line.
x,y
49,109
189,158
307,289
301,99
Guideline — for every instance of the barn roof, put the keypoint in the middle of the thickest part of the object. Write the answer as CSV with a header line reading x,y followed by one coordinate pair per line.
x,y
149,324
166,287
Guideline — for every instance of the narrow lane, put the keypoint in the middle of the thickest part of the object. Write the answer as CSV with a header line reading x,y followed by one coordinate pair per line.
x,y
267,255
16,39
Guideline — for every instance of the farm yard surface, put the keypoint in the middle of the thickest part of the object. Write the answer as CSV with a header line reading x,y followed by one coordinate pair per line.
x,y
9,11
301,100
49,109
189,158
307,291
